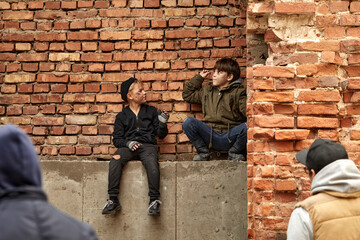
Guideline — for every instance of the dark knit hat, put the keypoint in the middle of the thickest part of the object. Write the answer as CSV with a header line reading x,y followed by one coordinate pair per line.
x,y
321,153
125,88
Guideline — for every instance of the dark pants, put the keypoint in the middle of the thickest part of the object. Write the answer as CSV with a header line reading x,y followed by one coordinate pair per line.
x,y
147,153
200,133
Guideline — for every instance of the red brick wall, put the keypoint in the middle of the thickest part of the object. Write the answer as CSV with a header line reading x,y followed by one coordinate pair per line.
x,y
62,62
307,89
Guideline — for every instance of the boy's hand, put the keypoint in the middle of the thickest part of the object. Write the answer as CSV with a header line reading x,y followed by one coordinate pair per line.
x,y
163,116
205,73
133,145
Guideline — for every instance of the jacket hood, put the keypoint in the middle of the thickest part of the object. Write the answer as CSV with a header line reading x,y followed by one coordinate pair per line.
x,y
231,85
339,176
19,163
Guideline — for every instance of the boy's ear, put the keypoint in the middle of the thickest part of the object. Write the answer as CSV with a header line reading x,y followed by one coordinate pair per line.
x,y
129,96
230,77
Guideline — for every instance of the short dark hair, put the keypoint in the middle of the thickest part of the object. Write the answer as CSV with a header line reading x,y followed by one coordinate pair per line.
x,y
229,66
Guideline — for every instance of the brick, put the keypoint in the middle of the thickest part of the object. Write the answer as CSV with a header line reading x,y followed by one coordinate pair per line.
x,y
290,134
272,97
116,77
92,88
7,57
41,88
77,25
194,54
339,6
353,84
129,56
139,46
41,46
323,69
96,57
270,71
318,109
319,96
106,129
285,185
4,5
155,45
109,98
260,8
57,130
114,13
48,121
334,33
97,67
264,184
82,36
80,120
17,37
317,122
188,44
73,130
64,109
213,33
18,15
61,57
46,98
120,35
23,46
145,65
354,7
67,150
303,58
16,78
202,2
72,89
48,109
260,134
148,34
281,122
172,96
319,45
79,98
32,57
112,67
30,67
50,15
14,110
179,12
102,108
350,46
352,71
161,56
329,134
129,66
294,8
83,151
101,4
214,11
91,140
8,88
51,78
328,81
61,140
15,120
8,25
28,26
142,23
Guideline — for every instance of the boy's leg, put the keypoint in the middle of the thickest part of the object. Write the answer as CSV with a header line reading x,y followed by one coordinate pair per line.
x,y
117,162
238,150
149,158
199,135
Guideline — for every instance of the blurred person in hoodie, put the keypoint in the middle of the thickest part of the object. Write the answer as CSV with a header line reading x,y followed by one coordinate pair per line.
x,y
223,102
333,209
24,210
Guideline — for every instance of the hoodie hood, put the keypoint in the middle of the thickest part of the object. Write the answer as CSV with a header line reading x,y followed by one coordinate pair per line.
x,y
19,163
340,176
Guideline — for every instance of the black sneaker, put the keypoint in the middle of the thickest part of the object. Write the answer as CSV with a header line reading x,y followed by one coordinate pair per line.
x,y
154,208
236,157
111,207
202,157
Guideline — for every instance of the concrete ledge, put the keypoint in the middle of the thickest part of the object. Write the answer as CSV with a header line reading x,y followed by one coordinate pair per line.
x,y
201,200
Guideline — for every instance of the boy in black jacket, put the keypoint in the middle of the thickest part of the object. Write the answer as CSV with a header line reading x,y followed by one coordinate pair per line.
x,y
134,136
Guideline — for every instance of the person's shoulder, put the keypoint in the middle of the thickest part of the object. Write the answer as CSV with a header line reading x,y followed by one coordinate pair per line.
x,y
149,108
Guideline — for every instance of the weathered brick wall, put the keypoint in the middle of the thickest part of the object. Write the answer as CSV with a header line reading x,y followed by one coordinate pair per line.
x,y
308,88
62,62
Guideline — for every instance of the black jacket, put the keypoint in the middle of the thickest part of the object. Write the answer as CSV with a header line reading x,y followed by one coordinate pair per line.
x,y
142,128
24,210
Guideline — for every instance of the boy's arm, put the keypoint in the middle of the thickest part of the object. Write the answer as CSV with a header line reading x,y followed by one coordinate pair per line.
x,y
193,90
118,134
160,120
242,102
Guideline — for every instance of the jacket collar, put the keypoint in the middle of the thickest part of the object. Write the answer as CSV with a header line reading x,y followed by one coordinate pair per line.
x,y
28,192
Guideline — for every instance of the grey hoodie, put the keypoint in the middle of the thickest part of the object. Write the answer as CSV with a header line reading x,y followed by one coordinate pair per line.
x,y
24,210
340,176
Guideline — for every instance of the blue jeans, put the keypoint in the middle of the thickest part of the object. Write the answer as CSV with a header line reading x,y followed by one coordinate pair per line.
x,y
199,133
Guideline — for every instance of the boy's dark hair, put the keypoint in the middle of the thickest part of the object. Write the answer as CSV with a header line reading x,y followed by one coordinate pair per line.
x,y
229,66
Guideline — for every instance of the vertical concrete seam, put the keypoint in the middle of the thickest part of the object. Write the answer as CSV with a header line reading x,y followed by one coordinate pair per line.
x,y
175,213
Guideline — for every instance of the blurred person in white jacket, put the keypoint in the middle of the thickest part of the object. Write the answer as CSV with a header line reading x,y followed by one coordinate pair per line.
x,y
333,209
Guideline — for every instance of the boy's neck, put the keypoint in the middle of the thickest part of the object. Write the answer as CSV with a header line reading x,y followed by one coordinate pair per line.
x,y
225,85
135,107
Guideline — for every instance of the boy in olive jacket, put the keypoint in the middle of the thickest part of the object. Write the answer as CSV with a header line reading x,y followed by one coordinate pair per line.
x,y
224,108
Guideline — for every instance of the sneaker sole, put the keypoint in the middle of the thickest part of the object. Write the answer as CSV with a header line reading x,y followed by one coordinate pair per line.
x,y
113,211
154,213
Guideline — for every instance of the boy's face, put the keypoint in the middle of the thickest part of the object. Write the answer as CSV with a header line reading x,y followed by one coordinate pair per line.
x,y
221,79
137,94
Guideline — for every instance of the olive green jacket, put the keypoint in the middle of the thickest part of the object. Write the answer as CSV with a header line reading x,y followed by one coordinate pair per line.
x,y
223,109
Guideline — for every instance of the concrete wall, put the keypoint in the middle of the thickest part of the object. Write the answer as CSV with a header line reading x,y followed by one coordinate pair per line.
x,y
205,200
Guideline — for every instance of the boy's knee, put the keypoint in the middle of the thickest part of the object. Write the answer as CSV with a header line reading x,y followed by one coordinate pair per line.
x,y
116,157
187,122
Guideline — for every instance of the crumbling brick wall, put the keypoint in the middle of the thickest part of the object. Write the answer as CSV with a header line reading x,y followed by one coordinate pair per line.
x,y
306,88
62,62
